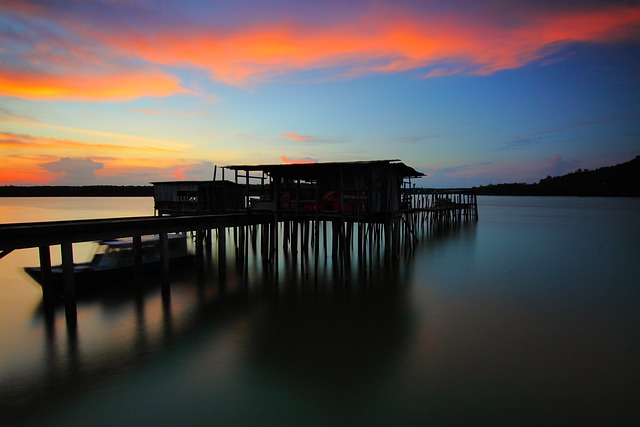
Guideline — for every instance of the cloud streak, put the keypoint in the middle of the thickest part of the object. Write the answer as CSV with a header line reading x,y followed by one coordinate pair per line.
x,y
119,61
378,42
297,137
10,140
90,86
292,136
303,160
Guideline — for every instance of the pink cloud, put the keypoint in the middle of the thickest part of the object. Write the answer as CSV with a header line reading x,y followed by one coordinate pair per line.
x,y
87,61
87,86
305,160
376,42
297,137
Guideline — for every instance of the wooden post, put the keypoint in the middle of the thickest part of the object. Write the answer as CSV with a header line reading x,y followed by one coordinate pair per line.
x,y
164,260
199,248
247,233
475,206
334,239
305,234
235,193
360,244
316,248
316,228
324,238
286,236
254,236
208,240
48,292
243,237
274,231
137,258
294,239
247,186
274,242
264,241
387,241
347,242
222,251
70,308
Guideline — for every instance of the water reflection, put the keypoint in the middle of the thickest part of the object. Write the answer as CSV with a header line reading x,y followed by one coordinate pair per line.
x,y
318,327
330,339
527,317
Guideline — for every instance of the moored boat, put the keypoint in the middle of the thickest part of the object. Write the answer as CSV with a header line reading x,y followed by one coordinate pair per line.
x,y
113,262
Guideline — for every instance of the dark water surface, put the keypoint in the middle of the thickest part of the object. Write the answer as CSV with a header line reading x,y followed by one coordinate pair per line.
x,y
529,317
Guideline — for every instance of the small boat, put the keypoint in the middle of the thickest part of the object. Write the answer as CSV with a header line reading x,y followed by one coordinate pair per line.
x,y
113,260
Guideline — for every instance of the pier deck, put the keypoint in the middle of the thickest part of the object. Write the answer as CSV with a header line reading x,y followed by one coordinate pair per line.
x,y
37,234
302,228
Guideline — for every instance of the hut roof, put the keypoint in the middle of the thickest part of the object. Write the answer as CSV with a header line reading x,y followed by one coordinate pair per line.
x,y
310,170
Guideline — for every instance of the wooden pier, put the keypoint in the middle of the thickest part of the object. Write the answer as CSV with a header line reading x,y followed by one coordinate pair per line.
x,y
364,211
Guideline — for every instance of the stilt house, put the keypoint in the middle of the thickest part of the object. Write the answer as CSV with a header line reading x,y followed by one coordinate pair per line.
x,y
372,189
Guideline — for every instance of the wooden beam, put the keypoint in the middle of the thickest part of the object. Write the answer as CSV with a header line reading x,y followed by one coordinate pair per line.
x,y
68,280
48,292
164,259
137,258
30,235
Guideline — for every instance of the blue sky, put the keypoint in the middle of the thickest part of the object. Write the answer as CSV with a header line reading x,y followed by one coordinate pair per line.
x,y
128,92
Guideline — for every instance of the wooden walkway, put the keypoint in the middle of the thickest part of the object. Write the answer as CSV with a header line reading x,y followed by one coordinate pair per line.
x,y
396,234
64,233
37,234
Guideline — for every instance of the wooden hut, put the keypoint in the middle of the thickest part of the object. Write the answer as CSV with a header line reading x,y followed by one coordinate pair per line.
x,y
196,197
372,189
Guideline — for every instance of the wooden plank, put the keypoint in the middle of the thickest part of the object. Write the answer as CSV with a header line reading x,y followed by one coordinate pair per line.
x,y
29,235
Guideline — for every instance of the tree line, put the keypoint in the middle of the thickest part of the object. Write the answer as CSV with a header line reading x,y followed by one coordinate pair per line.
x,y
622,180
77,191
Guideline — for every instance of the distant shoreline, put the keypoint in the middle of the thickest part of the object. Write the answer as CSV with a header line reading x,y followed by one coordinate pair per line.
x,y
517,190
622,180
77,191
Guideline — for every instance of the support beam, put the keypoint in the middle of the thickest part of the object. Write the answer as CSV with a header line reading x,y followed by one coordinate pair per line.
x,y
199,247
137,258
48,292
222,251
164,259
68,281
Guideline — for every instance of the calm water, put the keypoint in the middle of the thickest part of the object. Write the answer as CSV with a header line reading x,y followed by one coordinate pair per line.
x,y
530,316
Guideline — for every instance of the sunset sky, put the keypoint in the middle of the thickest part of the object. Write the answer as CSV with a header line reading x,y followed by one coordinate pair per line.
x,y
468,92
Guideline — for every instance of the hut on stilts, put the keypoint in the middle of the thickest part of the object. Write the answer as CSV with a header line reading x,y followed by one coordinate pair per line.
x,y
370,211
373,203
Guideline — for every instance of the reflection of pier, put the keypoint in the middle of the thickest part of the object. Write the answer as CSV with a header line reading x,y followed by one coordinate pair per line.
x,y
322,207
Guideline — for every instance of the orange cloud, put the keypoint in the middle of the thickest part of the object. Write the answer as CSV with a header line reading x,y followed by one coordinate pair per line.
x,y
93,62
377,43
24,170
296,137
179,173
285,159
50,169
87,86
25,177
10,140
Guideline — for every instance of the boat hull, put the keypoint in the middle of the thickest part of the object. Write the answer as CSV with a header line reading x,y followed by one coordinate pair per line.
x,y
88,279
